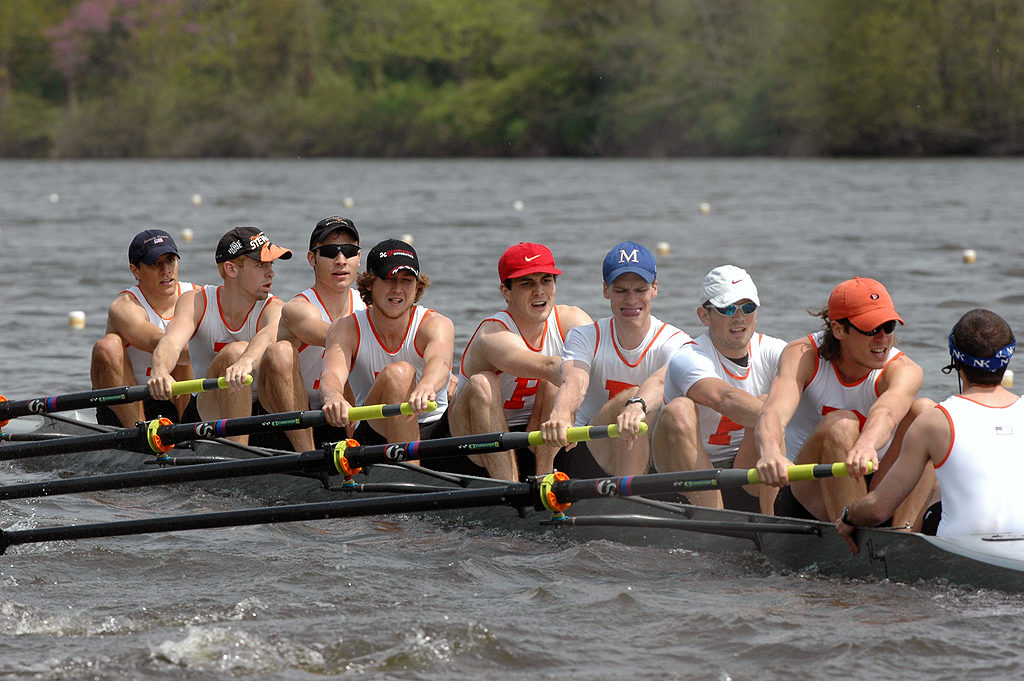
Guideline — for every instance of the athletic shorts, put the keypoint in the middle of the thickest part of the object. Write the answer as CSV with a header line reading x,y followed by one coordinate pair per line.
x,y
462,465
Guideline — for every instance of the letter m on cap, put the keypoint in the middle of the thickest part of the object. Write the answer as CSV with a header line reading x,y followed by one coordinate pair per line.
x,y
632,256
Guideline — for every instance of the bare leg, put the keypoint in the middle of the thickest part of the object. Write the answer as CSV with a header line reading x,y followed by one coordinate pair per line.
x,y
676,446
911,511
393,385
620,456
227,403
111,368
544,456
281,389
478,409
829,443
746,457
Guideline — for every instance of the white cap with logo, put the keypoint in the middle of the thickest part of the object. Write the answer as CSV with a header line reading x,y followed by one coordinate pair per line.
x,y
726,285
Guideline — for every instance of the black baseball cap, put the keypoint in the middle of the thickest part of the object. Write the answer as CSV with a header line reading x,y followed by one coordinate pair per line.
x,y
149,245
391,256
329,226
250,241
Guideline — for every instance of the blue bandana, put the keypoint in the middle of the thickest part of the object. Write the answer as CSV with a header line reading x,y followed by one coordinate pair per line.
x,y
993,363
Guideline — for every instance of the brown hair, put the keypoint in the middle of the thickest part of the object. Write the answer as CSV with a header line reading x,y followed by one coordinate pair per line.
x,y
981,333
364,284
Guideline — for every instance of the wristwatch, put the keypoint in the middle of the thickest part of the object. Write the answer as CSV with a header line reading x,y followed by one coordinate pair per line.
x,y
845,518
638,400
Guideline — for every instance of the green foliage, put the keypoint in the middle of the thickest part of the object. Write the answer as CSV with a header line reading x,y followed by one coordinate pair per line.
x,y
188,78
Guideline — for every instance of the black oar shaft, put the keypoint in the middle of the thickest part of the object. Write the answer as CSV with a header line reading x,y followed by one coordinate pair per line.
x,y
515,494
84,443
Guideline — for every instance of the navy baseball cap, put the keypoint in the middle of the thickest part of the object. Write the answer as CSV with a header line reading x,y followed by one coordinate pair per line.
x,y
329,226
629,256
149,245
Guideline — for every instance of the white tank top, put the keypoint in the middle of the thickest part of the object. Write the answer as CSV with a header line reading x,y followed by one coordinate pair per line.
x,y
212,333
980,495
370,357
142,361
311,357
827,392
613,369
518,393
721,435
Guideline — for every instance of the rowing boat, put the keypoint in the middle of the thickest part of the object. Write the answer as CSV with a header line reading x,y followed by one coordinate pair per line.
x,y
806,546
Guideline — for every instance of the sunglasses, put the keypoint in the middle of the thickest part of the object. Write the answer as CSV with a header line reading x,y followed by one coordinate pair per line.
x,y
888,327
332,250
748,308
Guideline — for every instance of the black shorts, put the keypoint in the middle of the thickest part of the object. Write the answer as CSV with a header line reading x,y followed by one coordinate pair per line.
x,y
462,465
153,409
366,436
578,463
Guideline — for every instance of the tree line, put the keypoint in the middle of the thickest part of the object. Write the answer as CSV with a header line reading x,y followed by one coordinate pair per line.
x,y
648,78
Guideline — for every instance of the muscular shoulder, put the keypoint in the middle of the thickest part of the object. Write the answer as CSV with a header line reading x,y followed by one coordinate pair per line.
x,y
570,316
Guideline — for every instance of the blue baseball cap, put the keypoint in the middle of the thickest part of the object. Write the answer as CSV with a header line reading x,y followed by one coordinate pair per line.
x,y
149,245
630,256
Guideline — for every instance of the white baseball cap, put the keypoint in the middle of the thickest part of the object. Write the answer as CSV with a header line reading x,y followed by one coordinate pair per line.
x,y
726,285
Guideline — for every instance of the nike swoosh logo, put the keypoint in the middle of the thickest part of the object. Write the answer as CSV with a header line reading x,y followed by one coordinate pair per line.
x,y
737,281
531,258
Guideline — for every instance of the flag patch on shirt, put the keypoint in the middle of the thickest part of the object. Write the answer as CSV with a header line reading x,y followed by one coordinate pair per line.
x,y
1004,430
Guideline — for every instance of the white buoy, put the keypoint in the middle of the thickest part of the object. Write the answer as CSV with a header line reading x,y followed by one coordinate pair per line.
x,y
663,248
705,208
76,319
970,256
187,234
518,205
349,202
408,238
197,200
54,197
1008,378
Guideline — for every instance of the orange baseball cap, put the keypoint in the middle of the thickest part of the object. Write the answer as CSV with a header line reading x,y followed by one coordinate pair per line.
x,y
864,302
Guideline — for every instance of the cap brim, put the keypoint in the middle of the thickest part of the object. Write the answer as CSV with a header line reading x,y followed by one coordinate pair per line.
x,y
393,272
155,254
647,275
538,269
269,253
870,321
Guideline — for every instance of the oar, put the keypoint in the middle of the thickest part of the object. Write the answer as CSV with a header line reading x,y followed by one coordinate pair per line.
x,y
10,409
551,493
324,460
161,435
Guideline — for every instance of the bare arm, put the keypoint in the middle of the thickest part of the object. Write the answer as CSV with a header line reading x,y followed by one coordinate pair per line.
x,y
128,319
796,367
575,379
899,384
265,335
652,391
341,342
739,405
437,336
187,312
301,323
495,348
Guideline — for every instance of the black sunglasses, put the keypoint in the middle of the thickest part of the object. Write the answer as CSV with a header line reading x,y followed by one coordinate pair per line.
x,y
888,327
332,250
748,308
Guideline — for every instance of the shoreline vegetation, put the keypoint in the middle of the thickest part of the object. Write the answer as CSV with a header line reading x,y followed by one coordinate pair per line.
x,y
517,78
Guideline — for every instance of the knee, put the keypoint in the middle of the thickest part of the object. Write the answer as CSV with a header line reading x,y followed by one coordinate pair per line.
x,y
483,386
109,350
841,427
679,414
279,358
398,373
229,354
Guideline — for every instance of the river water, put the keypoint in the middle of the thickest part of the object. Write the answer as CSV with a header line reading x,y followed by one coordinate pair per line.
x,y
403,597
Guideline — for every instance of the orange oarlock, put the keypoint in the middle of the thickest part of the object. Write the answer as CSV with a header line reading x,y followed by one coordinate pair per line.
x,y
153,438
341,462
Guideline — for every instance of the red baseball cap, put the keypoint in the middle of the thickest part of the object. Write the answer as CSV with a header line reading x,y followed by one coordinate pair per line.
x,y
526,258
865,302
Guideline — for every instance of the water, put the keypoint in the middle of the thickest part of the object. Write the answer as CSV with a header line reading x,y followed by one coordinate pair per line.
x,y
407,598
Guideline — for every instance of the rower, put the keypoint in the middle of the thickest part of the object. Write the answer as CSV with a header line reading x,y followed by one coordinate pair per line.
x,y
289,376
136,321
393,351
226,328
714,389
613,371
972,439
509,370
844,394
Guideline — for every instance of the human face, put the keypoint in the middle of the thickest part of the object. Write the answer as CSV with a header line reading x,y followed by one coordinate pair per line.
x,y
160,278
730,334
631,297
394,297
339,272
868,351
254,277
531,297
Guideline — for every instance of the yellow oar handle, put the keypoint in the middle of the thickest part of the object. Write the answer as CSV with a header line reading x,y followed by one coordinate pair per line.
x,y
379,411
584,433
808,471
201,385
